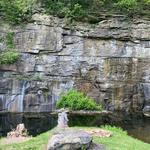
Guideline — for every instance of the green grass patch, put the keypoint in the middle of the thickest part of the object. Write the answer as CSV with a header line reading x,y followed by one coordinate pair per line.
x,y
119,141
36,143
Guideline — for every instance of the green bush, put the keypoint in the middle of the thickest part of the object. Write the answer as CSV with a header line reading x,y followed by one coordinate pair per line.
x,y
127,4
17,11
9,39
75,100
147,1
70,10
90,10
9,57
20,11
76,13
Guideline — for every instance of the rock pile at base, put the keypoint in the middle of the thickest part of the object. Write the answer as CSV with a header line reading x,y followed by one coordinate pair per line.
x,y
20,131
99,133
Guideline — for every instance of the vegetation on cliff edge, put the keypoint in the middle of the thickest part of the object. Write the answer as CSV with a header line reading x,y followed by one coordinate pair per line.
x,y
19,11
9,55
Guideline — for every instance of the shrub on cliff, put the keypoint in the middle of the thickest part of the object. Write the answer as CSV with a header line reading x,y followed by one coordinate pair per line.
x,y
9,57
93,8
127,4
20,11
75,100
17,11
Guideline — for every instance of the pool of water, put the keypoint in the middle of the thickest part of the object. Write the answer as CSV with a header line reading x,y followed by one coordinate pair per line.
x,y
36,123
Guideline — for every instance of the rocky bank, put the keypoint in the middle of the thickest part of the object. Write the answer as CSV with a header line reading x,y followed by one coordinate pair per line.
x,y
110,61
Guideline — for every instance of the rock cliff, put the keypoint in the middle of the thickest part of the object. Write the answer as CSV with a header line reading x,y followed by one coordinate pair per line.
x,y
109,61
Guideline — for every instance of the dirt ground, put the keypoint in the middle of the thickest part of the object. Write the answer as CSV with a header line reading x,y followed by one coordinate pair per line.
x,y
14,140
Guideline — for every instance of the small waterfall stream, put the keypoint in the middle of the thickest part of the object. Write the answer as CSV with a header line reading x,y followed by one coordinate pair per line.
x,y
146,109
147,91
13,98
20,103
16,101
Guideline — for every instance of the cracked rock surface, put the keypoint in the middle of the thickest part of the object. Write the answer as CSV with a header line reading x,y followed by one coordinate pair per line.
x,y
109,62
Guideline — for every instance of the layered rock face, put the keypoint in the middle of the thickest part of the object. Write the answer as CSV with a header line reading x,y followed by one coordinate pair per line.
x,y
110,62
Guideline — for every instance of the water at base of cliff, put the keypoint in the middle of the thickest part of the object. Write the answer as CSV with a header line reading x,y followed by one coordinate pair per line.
x,y
36,123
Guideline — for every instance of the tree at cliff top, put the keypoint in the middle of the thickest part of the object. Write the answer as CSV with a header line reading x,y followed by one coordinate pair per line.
x,y
18,11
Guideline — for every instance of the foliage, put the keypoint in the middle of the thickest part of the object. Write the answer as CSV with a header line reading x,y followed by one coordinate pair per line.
x,y
77,101
9,40
9,57
127,4
92,8
20,11
75,14
71,11
147,1
17,11
119,141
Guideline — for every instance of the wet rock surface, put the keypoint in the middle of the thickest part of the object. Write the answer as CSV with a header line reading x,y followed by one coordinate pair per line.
x,y
109,62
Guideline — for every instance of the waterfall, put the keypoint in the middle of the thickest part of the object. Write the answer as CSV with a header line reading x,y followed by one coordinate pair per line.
x,y
12,99
146,87
146,109
20,103
17,100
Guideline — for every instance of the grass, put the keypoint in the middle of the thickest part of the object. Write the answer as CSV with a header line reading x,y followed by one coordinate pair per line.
x,y
36,143
119,141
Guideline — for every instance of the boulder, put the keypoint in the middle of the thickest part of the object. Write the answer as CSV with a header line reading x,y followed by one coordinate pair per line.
x,y
70,139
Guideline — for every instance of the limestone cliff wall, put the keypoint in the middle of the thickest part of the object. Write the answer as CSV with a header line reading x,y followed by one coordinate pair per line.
x,y
109,61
